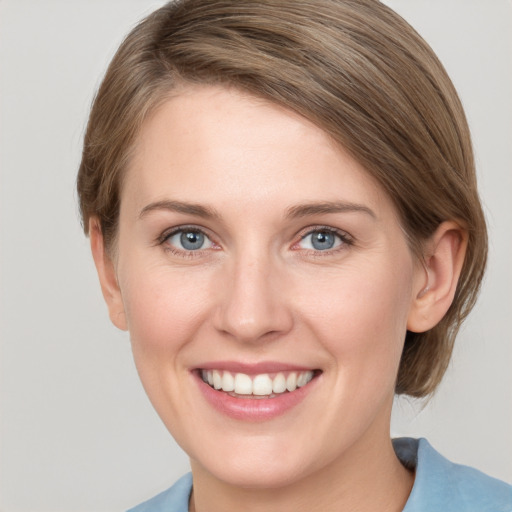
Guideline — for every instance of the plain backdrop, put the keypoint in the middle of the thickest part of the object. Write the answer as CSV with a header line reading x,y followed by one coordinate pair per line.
x,y
76,430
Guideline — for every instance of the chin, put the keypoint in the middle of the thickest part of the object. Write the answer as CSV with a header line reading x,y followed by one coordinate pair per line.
x,y
270,474
264,463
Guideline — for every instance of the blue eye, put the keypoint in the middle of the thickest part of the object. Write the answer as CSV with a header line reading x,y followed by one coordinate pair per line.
x,y
321,240
189,240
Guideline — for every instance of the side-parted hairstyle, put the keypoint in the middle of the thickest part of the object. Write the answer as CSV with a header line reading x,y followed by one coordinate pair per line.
x,y
354,68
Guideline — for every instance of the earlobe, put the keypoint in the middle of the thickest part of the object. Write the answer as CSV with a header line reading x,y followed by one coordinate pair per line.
x,y
437,280
107,276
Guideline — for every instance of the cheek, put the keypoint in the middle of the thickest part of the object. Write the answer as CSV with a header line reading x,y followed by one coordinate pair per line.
x,y
165,310
164,307
360,314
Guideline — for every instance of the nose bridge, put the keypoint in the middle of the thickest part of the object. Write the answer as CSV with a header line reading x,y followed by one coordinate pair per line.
x,y
252,304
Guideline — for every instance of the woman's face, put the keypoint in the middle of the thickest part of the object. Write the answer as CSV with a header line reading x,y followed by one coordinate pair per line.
x,y
255,252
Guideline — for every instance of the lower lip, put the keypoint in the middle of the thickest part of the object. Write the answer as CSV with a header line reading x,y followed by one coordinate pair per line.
x,y
253,409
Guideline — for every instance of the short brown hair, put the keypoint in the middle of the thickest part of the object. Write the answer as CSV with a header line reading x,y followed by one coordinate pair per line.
x,y
353,67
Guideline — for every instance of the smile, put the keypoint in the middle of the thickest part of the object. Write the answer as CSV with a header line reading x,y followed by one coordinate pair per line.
x,y
255,392
264,385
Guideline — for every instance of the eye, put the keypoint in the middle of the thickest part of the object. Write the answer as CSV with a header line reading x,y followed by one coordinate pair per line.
x,y
188,240
322,240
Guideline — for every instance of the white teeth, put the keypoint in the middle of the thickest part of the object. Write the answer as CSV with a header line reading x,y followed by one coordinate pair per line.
x,y
303,378
308,377
279,383
262,385
228,382
291,382
217,379
243,384
259,385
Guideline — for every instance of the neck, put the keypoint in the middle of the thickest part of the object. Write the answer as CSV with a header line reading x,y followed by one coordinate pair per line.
x,y
368,478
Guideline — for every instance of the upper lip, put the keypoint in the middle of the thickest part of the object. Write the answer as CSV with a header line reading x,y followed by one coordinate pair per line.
x,y
253,368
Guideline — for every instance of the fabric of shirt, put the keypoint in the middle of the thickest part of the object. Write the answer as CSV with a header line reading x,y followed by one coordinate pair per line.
x,y
439,485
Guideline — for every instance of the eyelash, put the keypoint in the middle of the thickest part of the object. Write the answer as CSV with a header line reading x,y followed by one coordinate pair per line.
x,y
166,235
346,240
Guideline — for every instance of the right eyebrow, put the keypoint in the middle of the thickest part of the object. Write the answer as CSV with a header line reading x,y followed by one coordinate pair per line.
x,y
180,207
304,210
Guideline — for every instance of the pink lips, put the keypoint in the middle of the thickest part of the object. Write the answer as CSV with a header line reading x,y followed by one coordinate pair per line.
x,y
252,409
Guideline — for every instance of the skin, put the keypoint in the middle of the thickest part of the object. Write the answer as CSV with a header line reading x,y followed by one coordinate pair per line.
x,y
258,291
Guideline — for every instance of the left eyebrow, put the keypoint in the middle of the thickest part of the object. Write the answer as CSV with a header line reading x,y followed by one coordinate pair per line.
x,y
180,207
304,210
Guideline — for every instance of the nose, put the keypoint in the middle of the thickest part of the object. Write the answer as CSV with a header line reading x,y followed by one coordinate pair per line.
x,y
252,303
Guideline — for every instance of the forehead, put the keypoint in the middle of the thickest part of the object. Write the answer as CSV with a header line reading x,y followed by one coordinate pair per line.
x,y
214,144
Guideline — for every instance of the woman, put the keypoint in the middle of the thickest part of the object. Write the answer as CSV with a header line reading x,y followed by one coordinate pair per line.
x,y
283,213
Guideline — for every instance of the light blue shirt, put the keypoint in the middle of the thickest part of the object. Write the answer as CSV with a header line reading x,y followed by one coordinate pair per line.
x,y
439,485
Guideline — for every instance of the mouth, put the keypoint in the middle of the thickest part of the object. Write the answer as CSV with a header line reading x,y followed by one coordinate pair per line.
x,y
260,386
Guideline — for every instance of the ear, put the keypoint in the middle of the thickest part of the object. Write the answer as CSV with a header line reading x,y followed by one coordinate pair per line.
x,y
436,281
107,275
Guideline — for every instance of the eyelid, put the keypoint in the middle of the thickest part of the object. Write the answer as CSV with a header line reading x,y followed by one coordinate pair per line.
x,y
170,232
182,227
345,237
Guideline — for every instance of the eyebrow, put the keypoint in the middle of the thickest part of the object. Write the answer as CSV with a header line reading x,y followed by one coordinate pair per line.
x,y
304,210
180,207
300,210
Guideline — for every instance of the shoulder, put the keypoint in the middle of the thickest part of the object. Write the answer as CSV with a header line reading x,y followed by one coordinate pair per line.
x,y
174,499
442,485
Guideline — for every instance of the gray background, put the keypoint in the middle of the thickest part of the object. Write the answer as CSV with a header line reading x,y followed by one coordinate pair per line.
x,y
76,430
